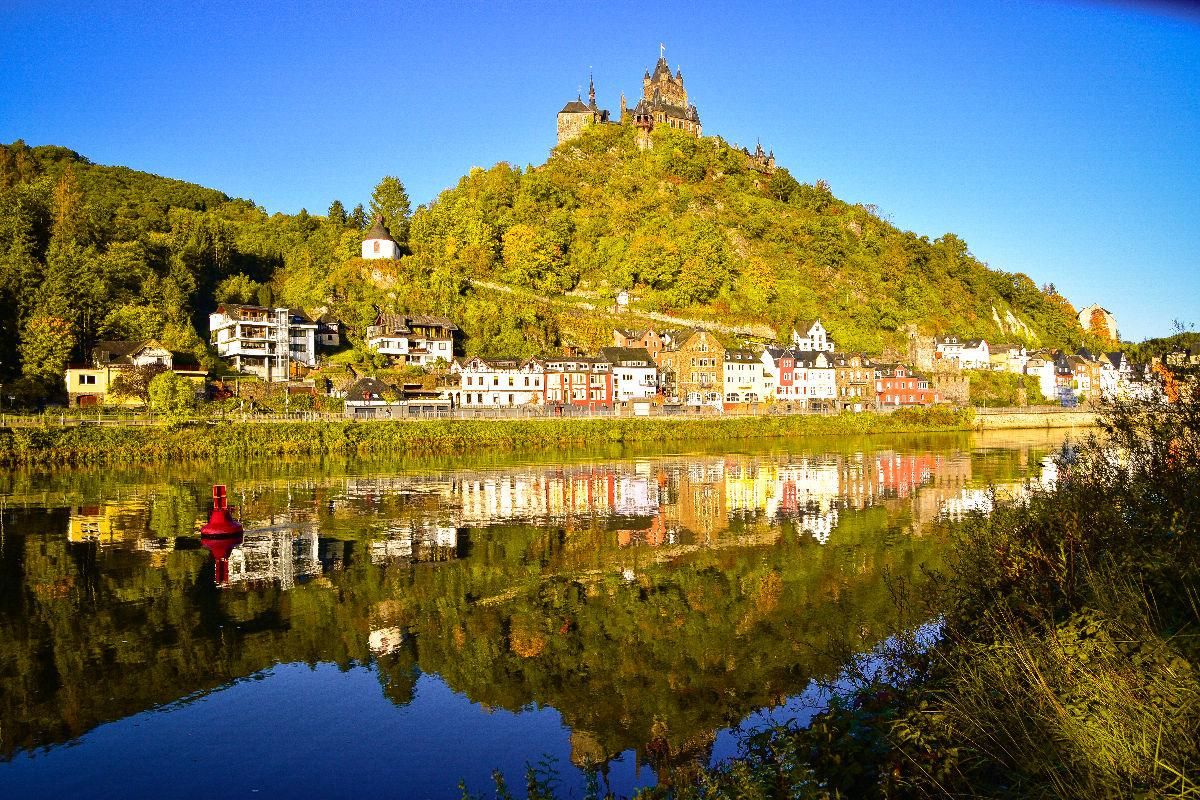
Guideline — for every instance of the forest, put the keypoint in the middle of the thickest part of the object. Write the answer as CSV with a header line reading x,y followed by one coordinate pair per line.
x,y
690,227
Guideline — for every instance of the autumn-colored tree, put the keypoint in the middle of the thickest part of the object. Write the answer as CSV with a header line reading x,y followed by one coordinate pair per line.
x,y
1098,325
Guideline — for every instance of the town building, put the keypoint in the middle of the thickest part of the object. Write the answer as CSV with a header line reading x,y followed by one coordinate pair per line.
x,y
635,375
420,340
653,341
378,242
897,386
498,382
275,344
743,380
815,379
329,332
1041,365
810,335
91,383
694,374
968,353
854,380
578,382
1008,358
370,398
1096,318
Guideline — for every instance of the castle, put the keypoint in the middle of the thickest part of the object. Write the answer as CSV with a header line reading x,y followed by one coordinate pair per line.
x,y
664,102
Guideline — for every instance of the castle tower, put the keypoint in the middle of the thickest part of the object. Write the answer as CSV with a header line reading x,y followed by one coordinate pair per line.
x,y
664,102
378,242
576,115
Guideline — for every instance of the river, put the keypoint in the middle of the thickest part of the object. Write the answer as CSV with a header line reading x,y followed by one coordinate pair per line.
x,y
402,625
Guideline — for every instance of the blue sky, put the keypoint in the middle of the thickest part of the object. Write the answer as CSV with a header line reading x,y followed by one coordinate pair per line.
x,y
1058,139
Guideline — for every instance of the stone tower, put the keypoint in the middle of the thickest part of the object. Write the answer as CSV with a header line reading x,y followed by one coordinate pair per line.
x,y
576,115
664,102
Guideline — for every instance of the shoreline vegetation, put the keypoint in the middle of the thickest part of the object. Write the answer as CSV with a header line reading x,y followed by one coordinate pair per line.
x,y
50,445
1066,661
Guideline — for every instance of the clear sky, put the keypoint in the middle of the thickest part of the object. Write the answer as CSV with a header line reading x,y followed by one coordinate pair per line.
x,y
1058,139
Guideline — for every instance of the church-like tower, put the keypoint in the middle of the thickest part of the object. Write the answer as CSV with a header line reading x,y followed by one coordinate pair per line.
x,y
576,115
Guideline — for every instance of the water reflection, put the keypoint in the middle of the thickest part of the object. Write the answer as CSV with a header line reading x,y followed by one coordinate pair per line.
x,y
687,591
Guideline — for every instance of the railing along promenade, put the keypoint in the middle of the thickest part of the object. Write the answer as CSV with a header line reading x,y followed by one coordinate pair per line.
x,y
85,417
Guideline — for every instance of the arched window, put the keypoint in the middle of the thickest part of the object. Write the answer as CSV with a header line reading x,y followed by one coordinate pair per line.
x,y
376,243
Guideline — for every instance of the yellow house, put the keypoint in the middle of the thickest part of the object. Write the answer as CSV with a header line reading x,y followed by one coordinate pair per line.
x,y
91,384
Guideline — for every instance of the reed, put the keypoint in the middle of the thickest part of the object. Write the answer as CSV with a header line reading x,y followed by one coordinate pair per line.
x,y
49,445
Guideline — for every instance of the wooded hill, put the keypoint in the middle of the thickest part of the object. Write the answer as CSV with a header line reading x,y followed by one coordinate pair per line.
x,y
691,227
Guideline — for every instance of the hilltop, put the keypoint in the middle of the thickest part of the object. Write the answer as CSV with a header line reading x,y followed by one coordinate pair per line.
x,y
524,260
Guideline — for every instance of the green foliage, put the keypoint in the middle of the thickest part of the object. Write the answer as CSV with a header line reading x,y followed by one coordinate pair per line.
x,y
46,344
28,446
134,382
171,395
390,200
992,388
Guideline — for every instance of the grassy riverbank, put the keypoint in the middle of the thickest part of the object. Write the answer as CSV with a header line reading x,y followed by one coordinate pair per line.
x,y
33,446
1068,660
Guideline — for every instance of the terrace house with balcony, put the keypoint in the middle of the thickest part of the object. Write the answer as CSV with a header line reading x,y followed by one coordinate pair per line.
x,y
420,340
276,344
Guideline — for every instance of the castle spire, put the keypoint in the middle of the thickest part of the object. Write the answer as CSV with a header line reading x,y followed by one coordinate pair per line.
x,y
591,88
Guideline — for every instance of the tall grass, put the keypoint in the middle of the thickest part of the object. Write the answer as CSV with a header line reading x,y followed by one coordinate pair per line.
x,y
113,445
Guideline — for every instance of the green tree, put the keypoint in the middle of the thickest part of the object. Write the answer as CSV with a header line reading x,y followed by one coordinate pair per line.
x,y
171,395
337,213
237,289
134,382
390,199
358,217
46,344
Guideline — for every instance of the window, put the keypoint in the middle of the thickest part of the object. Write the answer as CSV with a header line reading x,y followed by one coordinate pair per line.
x,y
87,380
376,247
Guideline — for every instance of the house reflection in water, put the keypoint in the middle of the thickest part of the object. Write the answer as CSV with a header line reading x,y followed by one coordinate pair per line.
x,y
417,542
279,554
119,523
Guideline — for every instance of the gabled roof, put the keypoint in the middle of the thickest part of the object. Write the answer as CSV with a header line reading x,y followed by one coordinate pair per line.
x,y
739,355
122,351
367,389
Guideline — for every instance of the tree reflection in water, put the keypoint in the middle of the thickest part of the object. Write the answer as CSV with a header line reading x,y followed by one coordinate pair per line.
x,y
652,600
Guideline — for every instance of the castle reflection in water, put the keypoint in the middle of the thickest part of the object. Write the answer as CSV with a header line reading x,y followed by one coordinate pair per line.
x,y
297,530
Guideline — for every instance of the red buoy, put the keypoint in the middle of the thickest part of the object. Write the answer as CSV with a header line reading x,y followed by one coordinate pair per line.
x,y
220,522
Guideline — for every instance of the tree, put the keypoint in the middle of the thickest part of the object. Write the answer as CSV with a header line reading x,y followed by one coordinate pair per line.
x,y
68,207
358,217
390,200
46,343
337,213
134,382
237,289
1098,325
171,395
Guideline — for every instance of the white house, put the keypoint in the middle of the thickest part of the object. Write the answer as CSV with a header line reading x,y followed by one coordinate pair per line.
x,y
498,382
1041,366
969,353
810,335
378,242
743,378
814,378
421,340
635,376
263,341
